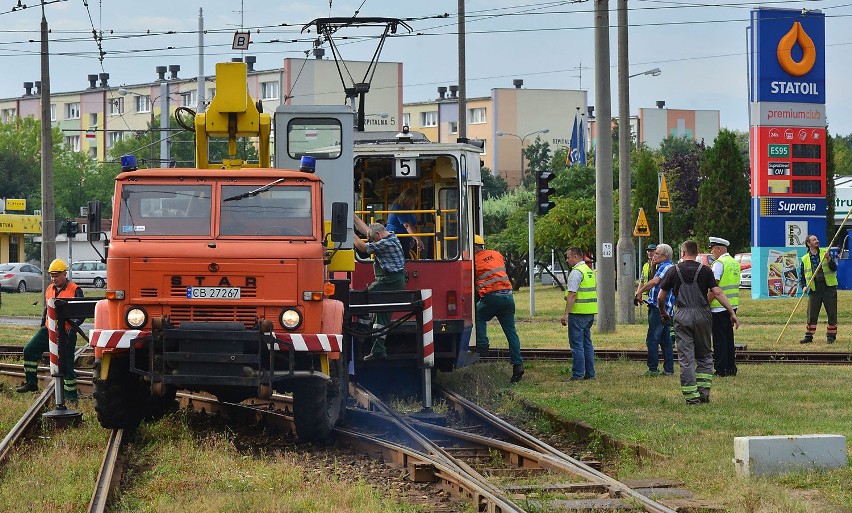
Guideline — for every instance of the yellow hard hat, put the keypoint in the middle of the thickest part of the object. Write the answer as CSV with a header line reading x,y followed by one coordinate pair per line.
x,y
477,239
57,266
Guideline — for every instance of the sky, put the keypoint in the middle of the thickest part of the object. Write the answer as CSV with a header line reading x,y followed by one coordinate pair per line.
x,y
699,46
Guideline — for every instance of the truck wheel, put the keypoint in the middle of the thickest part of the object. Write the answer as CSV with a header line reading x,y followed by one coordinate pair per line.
x,y
120,398
319,405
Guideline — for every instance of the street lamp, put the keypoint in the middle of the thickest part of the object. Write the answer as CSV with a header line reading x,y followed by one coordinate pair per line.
x,y
653,72
523,143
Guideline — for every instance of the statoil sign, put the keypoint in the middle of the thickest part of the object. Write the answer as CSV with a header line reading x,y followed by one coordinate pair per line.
x,y
788,56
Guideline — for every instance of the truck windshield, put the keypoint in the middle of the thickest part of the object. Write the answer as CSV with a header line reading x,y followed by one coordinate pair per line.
x,y
164,209
282,210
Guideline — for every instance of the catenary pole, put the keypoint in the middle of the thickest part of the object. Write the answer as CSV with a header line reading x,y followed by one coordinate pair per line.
x,y
604,224
462,77
48,207
626,270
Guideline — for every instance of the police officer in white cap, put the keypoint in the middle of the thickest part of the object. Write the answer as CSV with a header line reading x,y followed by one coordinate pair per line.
x,y
727,273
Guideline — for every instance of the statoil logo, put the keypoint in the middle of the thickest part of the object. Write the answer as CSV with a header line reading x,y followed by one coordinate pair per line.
x,y
796,35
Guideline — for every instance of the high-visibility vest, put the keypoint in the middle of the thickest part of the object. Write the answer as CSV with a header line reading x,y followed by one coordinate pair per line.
x,y
586,301
646,276
70,290
729,282
830,276
490,272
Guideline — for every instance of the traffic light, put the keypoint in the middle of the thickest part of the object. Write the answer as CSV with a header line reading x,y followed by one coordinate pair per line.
x,y
543,192
71,229
93,221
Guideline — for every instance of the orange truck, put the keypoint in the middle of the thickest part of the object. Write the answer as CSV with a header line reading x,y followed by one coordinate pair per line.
x,y
219,278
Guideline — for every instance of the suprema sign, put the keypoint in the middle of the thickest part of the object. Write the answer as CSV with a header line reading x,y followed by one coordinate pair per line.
x,y
792,207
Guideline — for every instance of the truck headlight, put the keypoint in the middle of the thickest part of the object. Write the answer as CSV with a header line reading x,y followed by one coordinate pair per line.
x,y
290,318
136,317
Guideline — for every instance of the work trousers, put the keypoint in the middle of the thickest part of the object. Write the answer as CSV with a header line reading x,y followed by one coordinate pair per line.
x,y
385,282
723,344
822,295
38,345
693,327
580,340
501,306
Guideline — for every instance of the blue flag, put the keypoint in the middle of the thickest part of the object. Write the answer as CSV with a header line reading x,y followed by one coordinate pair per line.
x,y
577,149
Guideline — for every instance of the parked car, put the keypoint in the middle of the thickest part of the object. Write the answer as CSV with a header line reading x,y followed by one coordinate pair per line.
x,y
745,278
744,259
20,277
89,272
706,258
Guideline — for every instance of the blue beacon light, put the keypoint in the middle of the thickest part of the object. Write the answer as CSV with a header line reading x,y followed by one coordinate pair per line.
x,y
308,164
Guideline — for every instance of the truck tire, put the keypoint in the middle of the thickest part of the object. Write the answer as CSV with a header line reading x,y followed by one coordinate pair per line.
x,y
120,399
319,405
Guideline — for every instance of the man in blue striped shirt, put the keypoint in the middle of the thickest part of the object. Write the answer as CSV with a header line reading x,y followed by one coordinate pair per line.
x,y
659,335
389,269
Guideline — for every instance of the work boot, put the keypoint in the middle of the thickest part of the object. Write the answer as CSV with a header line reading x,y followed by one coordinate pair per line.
x,y
375,356
482,351
831,338
807,340
704,395
693,402
517,372
26,387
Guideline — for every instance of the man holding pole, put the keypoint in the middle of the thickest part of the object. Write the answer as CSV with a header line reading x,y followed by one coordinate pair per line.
x,y
818,277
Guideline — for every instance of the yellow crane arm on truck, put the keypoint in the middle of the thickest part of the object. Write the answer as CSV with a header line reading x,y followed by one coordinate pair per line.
x,y
231,114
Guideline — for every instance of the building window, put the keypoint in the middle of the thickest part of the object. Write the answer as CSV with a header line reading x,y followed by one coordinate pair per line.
x,y
73,142
429,118
72,110
112,138
484,145
93,152
93,120
406,118
211,93
453,127
142,103
189,98
116,106
53,112
476,116
269,90
8,115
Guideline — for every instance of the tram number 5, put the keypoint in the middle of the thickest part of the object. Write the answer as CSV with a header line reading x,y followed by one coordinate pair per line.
x,y
406,168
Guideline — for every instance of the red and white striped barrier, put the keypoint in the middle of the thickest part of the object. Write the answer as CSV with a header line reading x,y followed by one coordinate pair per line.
x,y
115,339
428,336
314,343
53,338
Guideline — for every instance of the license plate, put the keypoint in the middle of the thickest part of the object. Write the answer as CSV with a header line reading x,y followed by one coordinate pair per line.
x,y
213,293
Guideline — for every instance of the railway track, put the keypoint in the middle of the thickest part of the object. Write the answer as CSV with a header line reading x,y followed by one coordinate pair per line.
x,y
480,459
742,356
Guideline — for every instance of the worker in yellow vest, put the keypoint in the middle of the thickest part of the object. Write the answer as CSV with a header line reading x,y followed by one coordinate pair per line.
x,y
581,305
649,269
818,277
726,270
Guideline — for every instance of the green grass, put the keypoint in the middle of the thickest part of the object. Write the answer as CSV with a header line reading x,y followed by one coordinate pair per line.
x,y
31,304
697,442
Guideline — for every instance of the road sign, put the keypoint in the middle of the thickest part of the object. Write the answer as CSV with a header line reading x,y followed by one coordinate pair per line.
x,y
241,41
663,203
641,229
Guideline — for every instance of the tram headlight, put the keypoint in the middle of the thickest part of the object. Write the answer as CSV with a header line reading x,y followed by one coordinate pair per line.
x,y
136,317
290,318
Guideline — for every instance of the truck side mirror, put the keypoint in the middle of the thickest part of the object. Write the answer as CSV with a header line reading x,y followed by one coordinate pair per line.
x,y
93,221
339,221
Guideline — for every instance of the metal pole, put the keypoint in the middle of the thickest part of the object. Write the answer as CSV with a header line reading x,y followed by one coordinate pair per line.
x,y
48,209
164,123
151,129
626,279
531,265
660,214
521,180
200,105
462,76
604,224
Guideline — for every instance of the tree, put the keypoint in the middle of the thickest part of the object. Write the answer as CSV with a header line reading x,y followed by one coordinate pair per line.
x,y
724,197
538,155
492,186
682,167
505,224
20,160
645,188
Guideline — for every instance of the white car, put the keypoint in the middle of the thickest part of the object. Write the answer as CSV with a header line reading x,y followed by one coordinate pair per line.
x,y
745,278
89,272
20,277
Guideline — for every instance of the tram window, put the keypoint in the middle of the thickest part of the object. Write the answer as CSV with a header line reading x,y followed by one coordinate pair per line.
x,y
318,138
